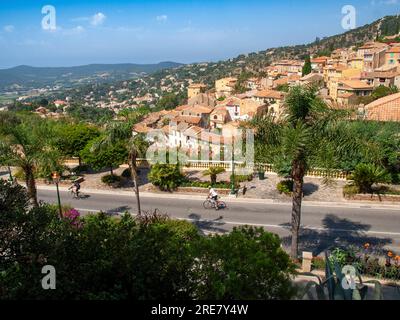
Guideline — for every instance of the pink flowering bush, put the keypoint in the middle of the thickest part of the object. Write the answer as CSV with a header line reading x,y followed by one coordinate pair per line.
x,y
73,216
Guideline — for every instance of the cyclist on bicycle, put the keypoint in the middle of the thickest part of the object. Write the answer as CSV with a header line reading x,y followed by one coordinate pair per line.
x,y
213,195
75,188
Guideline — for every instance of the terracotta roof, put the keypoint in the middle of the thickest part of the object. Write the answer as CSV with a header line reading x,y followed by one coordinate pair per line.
x,y
140,128
200,109
312,76
345,95
356,84
319,59
232,101
273,94
181,108
219,110
384,100
372,45
281,81
189,119
294,77
151,120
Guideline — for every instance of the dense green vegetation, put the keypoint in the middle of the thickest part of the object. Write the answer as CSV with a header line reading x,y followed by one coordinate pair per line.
x,y
144,258
377,93
372,142
72,138
168,102
28,142
39,146
109,156
90,114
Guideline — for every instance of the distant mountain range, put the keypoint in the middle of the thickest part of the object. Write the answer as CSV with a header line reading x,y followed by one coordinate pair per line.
x,y
24,78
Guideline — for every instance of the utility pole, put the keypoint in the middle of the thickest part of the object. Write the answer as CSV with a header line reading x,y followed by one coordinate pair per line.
x,y
10,173
233,191
56,179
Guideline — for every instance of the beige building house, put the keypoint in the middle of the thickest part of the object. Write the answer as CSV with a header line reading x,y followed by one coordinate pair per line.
x,y
356,87
225,87
373,55
382,78
195,89
219,117
289,67
268,97
333,74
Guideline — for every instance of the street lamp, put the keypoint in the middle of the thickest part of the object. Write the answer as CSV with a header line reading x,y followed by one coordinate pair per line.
x,y
56,178
10,173
233,191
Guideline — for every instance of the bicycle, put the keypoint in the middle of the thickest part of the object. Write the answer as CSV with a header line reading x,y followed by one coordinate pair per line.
x,y
211,204
76,194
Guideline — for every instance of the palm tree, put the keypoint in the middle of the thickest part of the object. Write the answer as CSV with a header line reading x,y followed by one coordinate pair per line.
x,y
308,132
26,143
213,172
136,147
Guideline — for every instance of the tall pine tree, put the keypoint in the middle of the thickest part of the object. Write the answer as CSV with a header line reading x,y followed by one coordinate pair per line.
x,y
307,66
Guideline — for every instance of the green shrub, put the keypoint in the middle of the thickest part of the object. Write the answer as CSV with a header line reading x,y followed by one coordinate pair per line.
x,y
110,179
126,173
213,172
366,175
350,190
285,186
148,257
221,274
167,177
243,178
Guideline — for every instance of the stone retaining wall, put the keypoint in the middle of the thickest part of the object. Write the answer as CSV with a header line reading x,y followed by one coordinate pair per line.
x,y
374,197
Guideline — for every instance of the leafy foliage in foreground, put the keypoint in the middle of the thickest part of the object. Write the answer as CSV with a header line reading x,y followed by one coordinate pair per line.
x,y
147,257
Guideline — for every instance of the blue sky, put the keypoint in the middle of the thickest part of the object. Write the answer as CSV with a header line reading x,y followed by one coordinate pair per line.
x,y
119,31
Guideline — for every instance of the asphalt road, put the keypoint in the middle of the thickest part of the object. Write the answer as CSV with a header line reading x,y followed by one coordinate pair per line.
x,y
322,226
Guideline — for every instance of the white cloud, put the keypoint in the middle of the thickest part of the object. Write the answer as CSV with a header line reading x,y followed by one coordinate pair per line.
x,y
98,19
384,2
74,31
9,28
162,18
